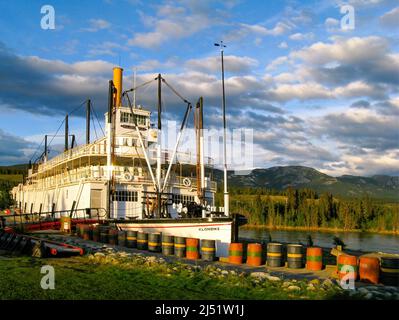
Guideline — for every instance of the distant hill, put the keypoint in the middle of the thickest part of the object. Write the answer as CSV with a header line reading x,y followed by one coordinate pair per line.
x,y
280,178
379,186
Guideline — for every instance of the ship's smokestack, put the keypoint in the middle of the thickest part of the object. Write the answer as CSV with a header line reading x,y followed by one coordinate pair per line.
x,y
117,79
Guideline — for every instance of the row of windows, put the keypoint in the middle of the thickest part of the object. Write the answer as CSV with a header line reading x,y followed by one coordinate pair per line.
x,y
127,196
127,117
181,198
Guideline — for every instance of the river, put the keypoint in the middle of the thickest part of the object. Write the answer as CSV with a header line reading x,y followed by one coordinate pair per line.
x,y
363,241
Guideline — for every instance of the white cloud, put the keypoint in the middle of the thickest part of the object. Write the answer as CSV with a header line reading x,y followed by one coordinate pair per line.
x,y
391,18
234,64
96,25
302,36
283,45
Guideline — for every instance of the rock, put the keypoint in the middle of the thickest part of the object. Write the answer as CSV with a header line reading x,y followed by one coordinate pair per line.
x,y
363,291
225,272
152,259
328,283
99,254
315,282
273,278
368,296
310,288
388,295
260,275
286,284
294,288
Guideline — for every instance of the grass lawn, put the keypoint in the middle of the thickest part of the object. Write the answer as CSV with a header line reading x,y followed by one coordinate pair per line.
x,y
84,278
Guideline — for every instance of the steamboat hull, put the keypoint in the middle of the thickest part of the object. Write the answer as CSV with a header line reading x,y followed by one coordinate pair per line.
x,y
219,229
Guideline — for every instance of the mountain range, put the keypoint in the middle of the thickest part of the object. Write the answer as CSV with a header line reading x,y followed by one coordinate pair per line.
x,y
378,186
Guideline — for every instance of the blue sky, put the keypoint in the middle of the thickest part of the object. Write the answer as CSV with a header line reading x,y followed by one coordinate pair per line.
x,y
315,94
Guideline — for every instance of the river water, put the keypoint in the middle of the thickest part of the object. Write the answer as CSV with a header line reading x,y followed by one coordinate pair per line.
x,y
364,241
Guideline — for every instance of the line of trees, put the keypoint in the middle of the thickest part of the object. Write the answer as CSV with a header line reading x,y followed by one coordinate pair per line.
x,y
306,208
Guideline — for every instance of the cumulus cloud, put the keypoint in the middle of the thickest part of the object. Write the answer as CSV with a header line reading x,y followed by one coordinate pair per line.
x,y
391,18
234,64
97,25
171,23
50,86
302,36
14,149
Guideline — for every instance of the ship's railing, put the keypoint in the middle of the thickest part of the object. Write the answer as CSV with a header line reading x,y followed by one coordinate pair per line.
x,y
99,148
136,175
19,219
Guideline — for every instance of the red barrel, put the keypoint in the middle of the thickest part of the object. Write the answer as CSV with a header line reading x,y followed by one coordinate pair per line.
x,y
314,259
254,254
369,269
343,261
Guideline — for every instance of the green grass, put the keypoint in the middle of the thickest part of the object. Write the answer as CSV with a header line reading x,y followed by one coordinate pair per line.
x,y
82,278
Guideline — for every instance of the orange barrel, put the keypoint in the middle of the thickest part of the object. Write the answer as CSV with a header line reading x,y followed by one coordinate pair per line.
x,y
180,247
86,232
254,254
122,238
154,242
314,259
369,269
131,239
168,245
390,271
113,236
142,240
192,251
346,260
208,250
274,254
235,253
96,233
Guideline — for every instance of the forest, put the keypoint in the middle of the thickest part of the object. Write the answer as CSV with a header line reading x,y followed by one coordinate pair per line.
x,y
306,208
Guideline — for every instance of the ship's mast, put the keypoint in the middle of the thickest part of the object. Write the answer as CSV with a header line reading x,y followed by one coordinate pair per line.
x,y
109,141
159,145
226,193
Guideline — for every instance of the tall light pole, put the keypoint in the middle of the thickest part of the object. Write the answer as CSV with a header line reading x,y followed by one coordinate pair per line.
x,y
226,194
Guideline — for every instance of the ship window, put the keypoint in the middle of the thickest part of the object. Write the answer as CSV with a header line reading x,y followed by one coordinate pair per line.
x,y
126,117
125,196
182,198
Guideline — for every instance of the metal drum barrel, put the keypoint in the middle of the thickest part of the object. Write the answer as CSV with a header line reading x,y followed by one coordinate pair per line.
x,y
390,271
192,251
113,236
208,250
86,231
369,269
294,256
180,247
122,238
142,240
96,233
104,233
167,245
131,239
346,263
314,259
154,242
274,254
235,253
254,254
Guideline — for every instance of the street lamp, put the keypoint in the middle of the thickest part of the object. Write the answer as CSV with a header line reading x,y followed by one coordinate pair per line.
x,y
226,194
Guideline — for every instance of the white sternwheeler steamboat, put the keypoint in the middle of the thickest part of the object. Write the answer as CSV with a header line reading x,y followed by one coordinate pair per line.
x,y
127,176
